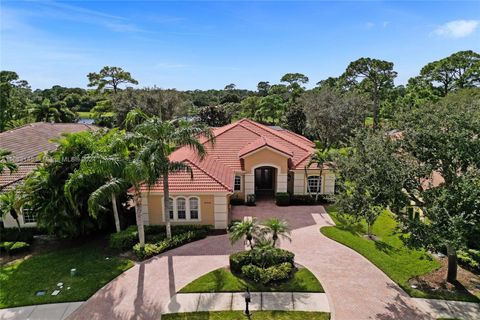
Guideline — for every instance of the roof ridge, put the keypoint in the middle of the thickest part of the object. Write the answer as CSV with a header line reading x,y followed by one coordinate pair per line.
x,y
208,174
273,132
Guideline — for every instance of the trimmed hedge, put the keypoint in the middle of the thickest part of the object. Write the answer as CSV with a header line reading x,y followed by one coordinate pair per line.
x,y
282,199
14,247
237,201
264,276
153,249
243,258
22,235
308,200
126,239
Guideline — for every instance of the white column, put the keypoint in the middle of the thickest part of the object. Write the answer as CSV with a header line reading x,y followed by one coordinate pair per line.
x,y
220,212
298,183
145,216
282,181
249,184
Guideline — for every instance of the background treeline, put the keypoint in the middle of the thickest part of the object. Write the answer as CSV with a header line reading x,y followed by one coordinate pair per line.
x,y
364,94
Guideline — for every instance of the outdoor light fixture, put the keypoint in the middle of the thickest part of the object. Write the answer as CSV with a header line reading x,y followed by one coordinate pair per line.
x,y
247,301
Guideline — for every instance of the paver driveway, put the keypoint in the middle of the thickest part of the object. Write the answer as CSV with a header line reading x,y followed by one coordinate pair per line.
x,y
356,289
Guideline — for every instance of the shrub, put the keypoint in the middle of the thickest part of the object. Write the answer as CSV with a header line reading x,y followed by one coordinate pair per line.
x,y
266,275
238,260
14,247
126,239
470,259
302,200
250,200
22,235
237,201
151,249
274,256
282,199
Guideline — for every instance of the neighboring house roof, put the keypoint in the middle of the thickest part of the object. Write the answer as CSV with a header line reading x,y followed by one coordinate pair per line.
x,y
232,142
26,143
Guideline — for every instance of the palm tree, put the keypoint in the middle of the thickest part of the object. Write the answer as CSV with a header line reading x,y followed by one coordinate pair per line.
x,y
278,228
5,162
93,167
248,229
319,158
10,204
158,139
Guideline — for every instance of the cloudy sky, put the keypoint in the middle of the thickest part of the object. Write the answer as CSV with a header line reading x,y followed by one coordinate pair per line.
x,y
189,45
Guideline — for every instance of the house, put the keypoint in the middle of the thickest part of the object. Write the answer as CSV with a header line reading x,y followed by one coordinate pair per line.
x,y
246,158
26,143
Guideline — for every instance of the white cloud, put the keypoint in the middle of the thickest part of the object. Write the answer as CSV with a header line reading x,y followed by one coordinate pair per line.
x,y
457,28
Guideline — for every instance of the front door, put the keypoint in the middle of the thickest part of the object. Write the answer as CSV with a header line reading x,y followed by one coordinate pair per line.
x,y
264,179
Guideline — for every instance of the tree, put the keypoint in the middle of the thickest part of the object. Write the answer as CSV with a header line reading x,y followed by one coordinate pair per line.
x,y
110,77
214,116
331,117
9,204
263,87
158,139
112,150
15,97
271,110
442,139
457,71
248,229
277,228
52,112
296,119
371,177
5,161
295,84
372,76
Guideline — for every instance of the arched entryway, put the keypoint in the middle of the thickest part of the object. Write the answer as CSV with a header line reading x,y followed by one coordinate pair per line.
x,y
265,181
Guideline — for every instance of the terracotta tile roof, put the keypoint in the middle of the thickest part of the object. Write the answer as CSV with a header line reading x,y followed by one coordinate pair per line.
x,y
263,142
215,172
8,181
28,141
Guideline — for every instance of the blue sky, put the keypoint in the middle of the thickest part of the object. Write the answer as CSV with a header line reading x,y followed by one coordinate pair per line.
x,y
189,45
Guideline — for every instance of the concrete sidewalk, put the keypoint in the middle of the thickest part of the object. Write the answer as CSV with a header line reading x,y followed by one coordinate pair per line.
x,y
53,311
450,309
285,301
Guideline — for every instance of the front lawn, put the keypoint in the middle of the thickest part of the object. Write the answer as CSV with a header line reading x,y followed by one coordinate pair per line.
x,y
389,253
95,268
222,280
238,315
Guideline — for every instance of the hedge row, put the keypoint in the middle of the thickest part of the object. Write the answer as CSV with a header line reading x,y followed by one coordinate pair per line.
x,y
151,249
11,247
244,258
14,234
274,273
470,259
126,239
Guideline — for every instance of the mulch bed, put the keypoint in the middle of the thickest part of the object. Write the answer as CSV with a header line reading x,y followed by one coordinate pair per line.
x,y
467,282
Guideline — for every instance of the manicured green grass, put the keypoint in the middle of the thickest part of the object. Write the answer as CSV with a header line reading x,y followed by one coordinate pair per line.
x,y
222,280
20,282
388,252
91,115
238,315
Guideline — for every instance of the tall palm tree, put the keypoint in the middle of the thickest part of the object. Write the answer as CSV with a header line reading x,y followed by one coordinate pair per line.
x,y
278,228
5,161
248,229
9,204
93,167
319,158
158,139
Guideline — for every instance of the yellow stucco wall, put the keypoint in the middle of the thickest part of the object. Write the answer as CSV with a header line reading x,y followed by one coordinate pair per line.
x,y
155,210
266,156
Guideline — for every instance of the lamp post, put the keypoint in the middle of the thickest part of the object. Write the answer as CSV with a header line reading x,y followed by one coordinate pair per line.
x,y
247,301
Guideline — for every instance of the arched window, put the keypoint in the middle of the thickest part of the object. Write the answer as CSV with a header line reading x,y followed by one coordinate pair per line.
x,y
170,208
314,184
181,209
193,202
